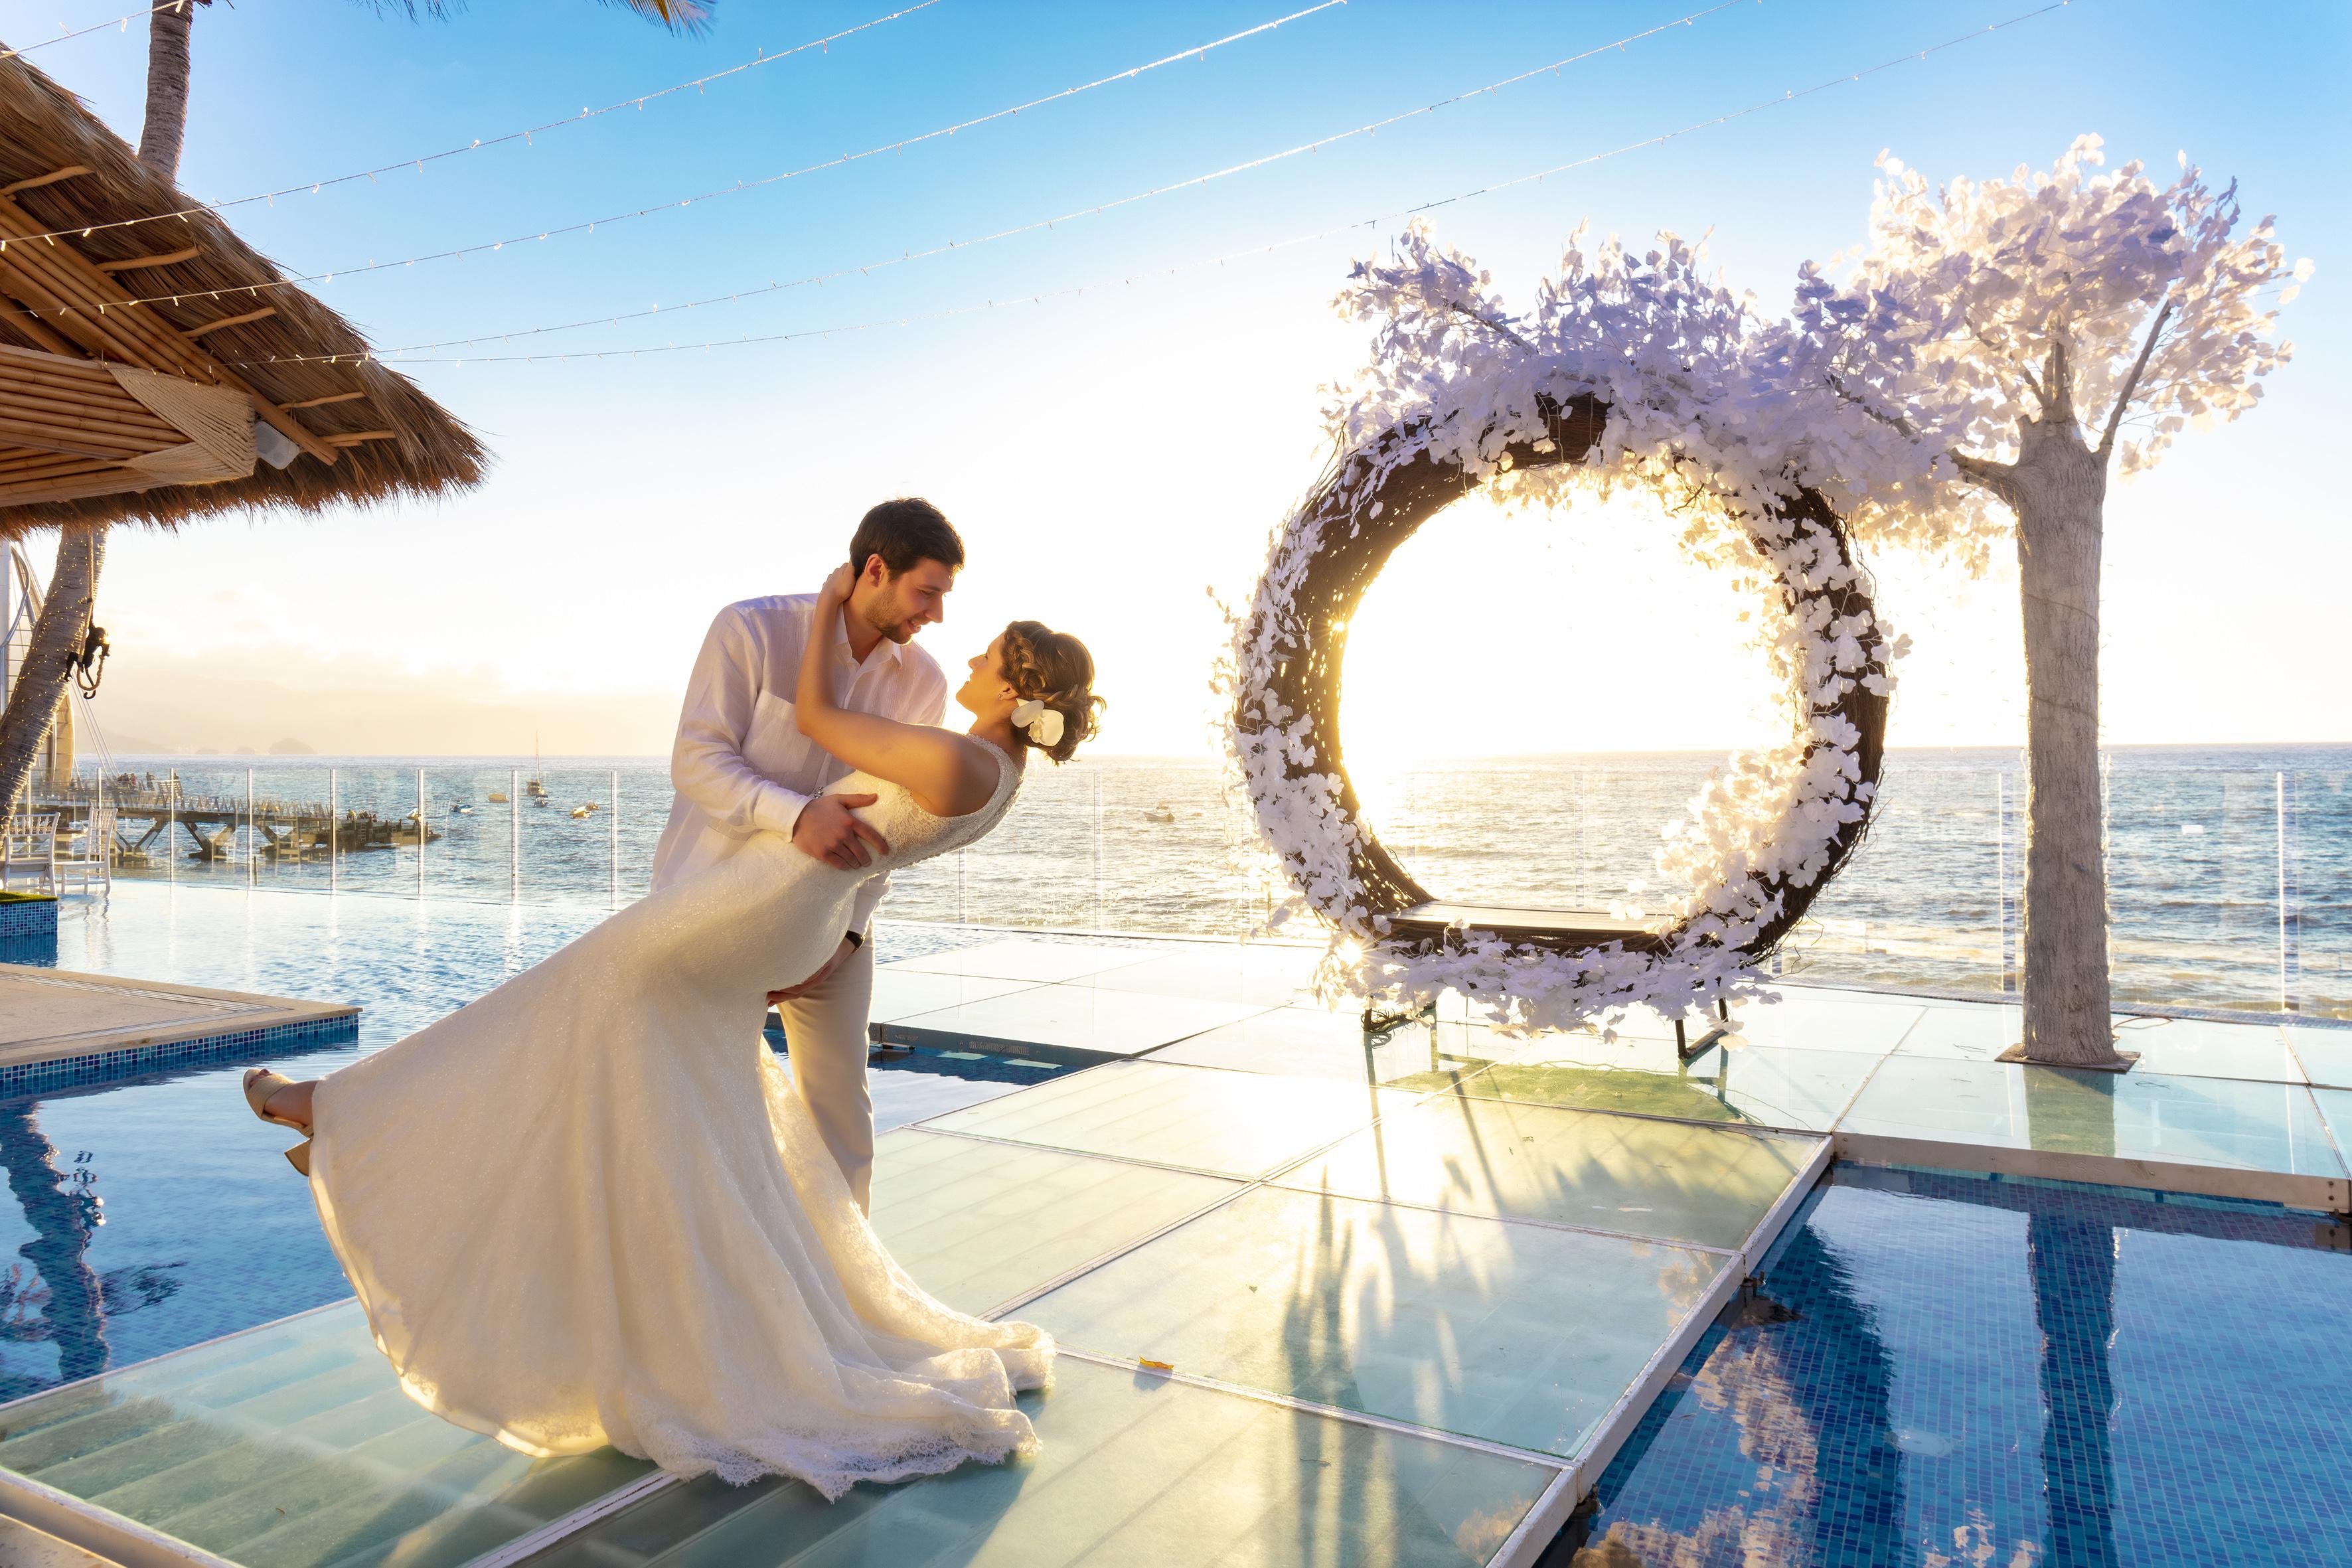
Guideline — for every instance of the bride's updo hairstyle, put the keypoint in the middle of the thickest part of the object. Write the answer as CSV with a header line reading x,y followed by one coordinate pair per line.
x,y
1054,669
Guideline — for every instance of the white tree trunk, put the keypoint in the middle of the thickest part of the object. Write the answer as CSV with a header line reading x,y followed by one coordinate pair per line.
x,y
2058,489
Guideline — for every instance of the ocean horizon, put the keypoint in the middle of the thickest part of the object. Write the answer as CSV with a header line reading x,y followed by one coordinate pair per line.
x,y
2230,867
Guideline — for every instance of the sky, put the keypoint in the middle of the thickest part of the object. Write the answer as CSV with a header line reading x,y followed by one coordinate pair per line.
x,y
1115,457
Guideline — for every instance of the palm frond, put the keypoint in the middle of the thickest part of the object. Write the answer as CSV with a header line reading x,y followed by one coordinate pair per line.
x,y
678,16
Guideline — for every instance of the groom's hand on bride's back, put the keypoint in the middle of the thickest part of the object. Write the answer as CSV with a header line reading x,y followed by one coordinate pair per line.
x,y
829,831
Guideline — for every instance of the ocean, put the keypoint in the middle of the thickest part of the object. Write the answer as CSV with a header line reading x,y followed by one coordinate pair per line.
x,y
2231,867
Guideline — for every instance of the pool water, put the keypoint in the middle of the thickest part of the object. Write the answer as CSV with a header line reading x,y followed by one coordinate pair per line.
x,y
1938,1370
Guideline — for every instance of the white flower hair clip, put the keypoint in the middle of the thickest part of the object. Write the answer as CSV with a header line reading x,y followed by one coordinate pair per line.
x,y
1043,723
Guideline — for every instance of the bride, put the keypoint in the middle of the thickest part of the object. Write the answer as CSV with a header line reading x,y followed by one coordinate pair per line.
x,y
588,1208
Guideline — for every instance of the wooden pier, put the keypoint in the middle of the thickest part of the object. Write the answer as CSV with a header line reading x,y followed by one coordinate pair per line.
x,y
281,831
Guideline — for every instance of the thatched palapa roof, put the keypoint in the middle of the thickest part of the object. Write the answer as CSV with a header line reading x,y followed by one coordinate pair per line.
x,y
113,410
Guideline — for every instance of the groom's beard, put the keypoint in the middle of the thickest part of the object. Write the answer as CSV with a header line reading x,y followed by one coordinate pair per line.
x,y
898,628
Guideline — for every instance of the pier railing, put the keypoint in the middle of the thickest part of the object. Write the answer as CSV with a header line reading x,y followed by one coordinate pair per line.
x,y
2229,887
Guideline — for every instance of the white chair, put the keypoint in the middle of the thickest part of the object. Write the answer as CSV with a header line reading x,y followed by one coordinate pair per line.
x,y
30,848
89,852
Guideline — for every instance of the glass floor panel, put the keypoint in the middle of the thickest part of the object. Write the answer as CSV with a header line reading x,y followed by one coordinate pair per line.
x,y
292,1446
1664,1180
901,994
1228,1124
1979,1032
1263,977
1304,1043
1516,1333
1082,1016
978,1223
1134,1469
1037,961
2326,1054
2204,1047
2335,1108
1813,1019
1770,1086
2136,1115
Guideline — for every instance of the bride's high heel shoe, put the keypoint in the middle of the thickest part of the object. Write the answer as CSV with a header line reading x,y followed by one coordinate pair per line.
x,y
260,1083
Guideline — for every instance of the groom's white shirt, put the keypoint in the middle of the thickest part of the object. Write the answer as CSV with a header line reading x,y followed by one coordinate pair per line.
x,y
741,765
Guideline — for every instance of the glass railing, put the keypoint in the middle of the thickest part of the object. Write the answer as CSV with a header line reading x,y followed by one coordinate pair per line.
x,y
2227,885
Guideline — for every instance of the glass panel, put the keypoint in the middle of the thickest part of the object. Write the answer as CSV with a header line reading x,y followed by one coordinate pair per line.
x,y
293,1446
1762,1084
1080,1018
2336,1106
1265,976
2136,1115
1134,1469
2200,1048
1658,1179
2326,1054
977,1224
1038,962
1233,1123
1817,1019
1512,1332
901,993
1306,1043
1979,1032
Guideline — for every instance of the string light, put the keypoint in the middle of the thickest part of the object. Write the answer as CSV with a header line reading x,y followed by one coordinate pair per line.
x,y
1096,210
1375,222
1196,52
122,22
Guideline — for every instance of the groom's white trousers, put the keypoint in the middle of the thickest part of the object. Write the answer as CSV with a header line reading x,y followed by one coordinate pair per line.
x,y
825,1042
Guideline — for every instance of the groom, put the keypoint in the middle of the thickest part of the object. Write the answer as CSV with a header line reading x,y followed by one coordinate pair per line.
x,y
742,766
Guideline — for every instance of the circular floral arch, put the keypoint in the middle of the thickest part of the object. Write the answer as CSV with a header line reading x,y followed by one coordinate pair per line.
x,y
1766,834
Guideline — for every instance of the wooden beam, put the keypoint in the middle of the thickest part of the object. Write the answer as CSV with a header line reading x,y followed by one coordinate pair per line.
x,y
37,181
33,327
192,333
117,481
136,262
323,402
47,437
354,437
37,273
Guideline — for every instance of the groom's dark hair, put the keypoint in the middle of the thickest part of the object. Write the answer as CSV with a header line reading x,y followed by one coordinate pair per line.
x,y
903,532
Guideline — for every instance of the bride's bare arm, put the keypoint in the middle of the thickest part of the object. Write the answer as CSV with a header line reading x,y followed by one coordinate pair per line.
x,y
948,774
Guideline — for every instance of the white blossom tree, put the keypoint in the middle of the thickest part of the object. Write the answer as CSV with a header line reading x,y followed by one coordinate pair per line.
x,y
2027,337
1968,377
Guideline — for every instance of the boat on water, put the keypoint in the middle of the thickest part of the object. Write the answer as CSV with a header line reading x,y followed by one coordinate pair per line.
x,y
499,798
1159,813
463,810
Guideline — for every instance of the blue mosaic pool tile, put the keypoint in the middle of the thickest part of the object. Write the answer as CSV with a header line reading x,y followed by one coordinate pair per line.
x,y
1936,1368
29,919
104,1066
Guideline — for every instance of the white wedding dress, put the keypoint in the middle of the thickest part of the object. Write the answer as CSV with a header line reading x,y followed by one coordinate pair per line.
x,y
589,1208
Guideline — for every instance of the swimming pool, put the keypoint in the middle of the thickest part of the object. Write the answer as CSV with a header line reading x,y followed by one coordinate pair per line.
x,y
1932,1369
1937,1369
